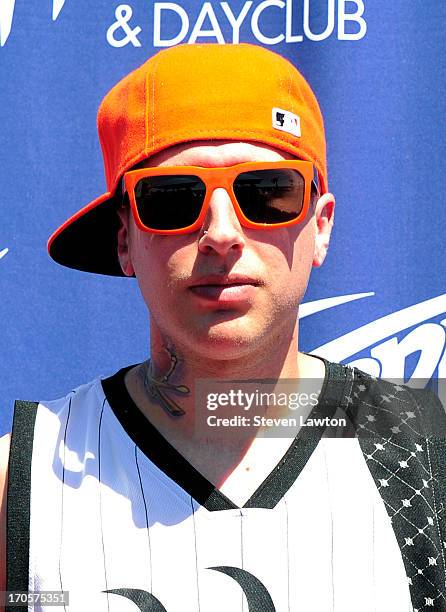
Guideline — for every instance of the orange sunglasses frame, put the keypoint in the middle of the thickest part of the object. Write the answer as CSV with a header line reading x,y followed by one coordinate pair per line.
x,y
214,178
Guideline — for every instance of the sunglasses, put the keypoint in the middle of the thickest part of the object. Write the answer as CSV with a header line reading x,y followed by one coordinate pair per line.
x,y
175,199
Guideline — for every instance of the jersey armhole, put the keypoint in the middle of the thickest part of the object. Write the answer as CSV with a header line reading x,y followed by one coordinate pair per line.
x,y
18,499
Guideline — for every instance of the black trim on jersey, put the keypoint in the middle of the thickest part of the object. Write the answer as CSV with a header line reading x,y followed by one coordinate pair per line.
x,y
282,477
18,499
157,448
173,464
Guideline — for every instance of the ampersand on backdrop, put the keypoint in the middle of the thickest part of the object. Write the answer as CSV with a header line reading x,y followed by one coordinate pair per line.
x,y
123,14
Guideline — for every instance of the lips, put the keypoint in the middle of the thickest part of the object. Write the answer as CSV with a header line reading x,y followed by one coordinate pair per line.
x,y
225,289
223,280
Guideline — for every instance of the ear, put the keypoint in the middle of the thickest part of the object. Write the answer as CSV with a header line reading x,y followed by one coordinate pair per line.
x,y
324,216
123,241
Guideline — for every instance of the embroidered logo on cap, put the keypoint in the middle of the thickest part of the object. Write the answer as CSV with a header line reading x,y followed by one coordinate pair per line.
x,y
286,121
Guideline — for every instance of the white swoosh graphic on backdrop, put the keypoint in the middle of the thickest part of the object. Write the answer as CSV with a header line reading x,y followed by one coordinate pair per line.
x,y
57,7
3,253
362,337
7,14
310,308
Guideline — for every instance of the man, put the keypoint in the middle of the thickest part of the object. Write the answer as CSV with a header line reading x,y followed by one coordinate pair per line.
x,y
218,204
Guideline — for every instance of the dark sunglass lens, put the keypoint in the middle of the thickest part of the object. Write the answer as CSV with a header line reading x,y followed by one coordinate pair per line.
x,y
270,196
169,202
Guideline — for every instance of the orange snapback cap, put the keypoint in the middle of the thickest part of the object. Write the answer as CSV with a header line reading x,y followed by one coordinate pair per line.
x,y
186,93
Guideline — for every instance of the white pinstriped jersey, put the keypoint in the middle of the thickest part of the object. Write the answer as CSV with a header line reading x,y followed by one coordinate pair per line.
x,y
120,520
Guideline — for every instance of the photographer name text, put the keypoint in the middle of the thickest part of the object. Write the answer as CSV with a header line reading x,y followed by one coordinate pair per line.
x,y
262,421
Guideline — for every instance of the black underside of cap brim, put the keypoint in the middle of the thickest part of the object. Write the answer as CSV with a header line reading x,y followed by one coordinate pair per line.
x,y
90,242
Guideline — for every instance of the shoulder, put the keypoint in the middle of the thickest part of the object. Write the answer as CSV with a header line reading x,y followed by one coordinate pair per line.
x,y
33,418
91,390
22,437
392,402
372,402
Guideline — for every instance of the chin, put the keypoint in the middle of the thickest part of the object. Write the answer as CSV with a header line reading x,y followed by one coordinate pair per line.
x,y
228,339
223,349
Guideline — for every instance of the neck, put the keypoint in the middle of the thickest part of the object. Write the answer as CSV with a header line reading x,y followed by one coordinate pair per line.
x,y
168,396
274,356
166,387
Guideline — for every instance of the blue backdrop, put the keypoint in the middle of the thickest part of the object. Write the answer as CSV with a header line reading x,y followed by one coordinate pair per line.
x,y
378,70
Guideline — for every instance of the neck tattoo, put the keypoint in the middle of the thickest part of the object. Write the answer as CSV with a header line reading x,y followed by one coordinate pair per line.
x,y
158,389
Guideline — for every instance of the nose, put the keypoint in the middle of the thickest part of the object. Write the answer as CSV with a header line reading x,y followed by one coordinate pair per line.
x,y
223,229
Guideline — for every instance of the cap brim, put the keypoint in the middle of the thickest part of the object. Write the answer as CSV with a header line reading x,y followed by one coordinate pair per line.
x,y
87,241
